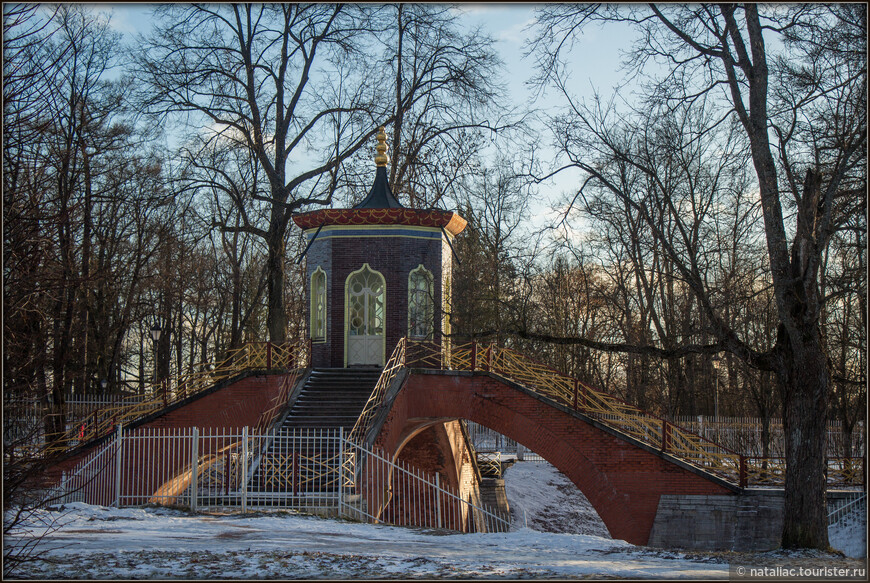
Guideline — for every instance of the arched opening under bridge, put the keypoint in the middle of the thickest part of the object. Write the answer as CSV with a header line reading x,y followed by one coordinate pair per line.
x,y
622,478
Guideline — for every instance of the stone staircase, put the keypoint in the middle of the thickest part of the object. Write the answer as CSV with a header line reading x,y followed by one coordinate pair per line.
x,y
304,457
492,494
332,397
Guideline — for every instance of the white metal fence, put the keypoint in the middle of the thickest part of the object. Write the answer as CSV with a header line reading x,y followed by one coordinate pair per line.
x,y
302,469
849,508
744,435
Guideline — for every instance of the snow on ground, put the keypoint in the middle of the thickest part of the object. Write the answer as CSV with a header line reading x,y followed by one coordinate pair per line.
x,y
94,542
544,499
146,543
850,536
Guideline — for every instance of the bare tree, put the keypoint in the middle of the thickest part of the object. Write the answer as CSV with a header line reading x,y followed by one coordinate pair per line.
x,y
490,251
444,96
285,81
811,101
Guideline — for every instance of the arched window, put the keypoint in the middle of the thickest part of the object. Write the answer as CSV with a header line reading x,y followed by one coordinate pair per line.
x,y
420,302
318,306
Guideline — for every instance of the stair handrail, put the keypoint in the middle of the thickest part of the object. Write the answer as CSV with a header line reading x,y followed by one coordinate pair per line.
x,y
624,417
395,363
604,407
279,401
251,356
357,435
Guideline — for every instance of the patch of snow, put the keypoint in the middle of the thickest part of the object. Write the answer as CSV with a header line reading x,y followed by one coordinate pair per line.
x,y
151,543
849,536
96,542
543,499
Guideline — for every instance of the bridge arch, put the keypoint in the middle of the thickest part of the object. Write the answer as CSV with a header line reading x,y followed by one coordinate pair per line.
x,y
622,480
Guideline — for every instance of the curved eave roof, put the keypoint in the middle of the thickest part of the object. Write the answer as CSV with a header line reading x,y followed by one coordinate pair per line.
x,y
450,221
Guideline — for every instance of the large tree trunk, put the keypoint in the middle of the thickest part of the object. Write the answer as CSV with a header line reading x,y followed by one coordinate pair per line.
x,y
805,375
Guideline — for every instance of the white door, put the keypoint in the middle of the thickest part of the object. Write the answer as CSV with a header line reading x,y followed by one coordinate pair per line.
x,y
364,307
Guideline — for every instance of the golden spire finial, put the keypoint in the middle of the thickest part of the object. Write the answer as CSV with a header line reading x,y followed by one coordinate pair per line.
x,y
381,157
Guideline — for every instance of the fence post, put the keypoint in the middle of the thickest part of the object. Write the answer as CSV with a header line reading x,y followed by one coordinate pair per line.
x,y
269,355
438,499
489,358
295,476
119,449
63,499
227,475
664,435
576,391
743,474
194,467
340,470
244,466
473,356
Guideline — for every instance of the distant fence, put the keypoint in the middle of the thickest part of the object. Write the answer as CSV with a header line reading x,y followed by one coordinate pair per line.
x,y
852,507
300,470
492,448
744,435
741,434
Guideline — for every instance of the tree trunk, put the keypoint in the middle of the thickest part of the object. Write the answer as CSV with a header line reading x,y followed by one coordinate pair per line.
x,y
805,376
275,283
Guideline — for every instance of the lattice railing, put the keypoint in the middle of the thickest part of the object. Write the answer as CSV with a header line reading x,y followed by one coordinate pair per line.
x,y
620,415
278,402
252,356
391,369
363,423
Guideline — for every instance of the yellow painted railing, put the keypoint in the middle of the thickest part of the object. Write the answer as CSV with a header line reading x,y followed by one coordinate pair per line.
x,y
363,423
619,415
252,356
268,417
391,369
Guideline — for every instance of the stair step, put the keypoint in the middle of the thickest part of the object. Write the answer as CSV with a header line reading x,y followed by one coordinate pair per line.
x,y
331,398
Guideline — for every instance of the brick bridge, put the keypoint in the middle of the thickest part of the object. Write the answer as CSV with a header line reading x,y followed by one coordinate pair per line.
x,y
652,483
621,477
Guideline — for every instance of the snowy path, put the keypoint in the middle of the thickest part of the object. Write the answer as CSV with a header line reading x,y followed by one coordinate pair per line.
x,y
108,543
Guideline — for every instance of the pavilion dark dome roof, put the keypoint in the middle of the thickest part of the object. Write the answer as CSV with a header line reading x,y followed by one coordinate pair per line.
x,y
381,207
380,196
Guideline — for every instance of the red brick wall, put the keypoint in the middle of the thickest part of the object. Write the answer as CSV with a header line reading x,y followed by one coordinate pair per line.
x,y
237,405
622,481
392,257
234,406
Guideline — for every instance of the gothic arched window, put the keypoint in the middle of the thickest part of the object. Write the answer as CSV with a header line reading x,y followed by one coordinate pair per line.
x,y
318,306
420,303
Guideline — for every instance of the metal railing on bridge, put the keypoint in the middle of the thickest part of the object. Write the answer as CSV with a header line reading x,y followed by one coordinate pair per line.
x,y
603,407
252,356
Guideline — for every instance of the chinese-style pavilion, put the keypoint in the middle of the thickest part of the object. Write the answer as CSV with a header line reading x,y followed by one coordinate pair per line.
x,y
375,273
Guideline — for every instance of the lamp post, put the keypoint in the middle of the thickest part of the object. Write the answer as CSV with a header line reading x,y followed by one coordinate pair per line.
x,y
103,384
